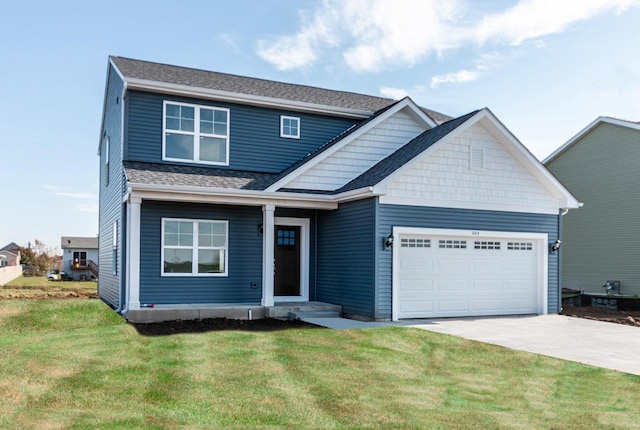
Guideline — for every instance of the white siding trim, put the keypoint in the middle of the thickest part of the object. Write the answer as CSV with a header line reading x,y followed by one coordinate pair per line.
x,y
405,103
542,258
268,243
133,255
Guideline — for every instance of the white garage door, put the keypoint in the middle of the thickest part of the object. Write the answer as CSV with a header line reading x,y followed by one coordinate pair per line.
x,y
451,275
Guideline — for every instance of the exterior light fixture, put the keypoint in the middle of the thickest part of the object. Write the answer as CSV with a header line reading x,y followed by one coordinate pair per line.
x,y
556,246
388,243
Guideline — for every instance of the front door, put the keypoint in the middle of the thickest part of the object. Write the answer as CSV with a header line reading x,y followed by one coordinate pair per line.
x,y
287,261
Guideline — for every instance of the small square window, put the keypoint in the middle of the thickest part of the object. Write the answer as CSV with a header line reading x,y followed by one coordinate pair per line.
x,y
290,127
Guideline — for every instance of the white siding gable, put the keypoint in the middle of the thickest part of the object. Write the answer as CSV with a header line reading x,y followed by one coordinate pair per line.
x,y
474,170
361,154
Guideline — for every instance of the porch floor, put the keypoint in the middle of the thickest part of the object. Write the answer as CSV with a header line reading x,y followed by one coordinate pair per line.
x,y
241,311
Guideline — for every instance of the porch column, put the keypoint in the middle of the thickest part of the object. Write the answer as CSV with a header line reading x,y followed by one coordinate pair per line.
x,y
268,229
133,254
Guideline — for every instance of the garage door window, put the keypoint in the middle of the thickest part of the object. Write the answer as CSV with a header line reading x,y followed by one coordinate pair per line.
x,y
486,245
519,246
453,244
413,242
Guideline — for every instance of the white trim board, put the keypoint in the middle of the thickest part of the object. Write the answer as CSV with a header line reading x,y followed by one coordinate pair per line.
x,y
304,224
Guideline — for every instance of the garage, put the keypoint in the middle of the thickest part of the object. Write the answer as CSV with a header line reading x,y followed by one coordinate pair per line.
x,y
453,273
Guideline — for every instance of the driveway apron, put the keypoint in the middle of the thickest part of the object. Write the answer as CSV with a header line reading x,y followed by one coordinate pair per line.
x,y
602,344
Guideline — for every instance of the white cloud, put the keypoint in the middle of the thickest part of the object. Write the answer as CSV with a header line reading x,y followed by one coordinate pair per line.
x,y
394,93
454,78
379,34
76,195
530,19
93,208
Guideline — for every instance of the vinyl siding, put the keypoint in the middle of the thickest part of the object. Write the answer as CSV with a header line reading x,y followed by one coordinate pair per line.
x,y
413,216
244,263
346,257
601,240
255,143
110,196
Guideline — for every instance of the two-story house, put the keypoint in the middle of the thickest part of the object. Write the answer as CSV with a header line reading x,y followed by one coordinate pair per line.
x,y
222,193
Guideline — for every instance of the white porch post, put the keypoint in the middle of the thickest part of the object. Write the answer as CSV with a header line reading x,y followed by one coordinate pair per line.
x,y
133,254
268,229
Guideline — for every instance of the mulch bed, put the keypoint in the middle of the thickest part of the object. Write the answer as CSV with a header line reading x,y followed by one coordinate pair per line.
x,y
218,324
631,318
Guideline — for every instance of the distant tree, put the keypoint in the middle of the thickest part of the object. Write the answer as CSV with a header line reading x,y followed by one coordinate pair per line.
x,y
41,258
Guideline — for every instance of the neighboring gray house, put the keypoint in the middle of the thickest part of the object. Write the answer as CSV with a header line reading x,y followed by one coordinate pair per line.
x,y
222,192
601,166
80,257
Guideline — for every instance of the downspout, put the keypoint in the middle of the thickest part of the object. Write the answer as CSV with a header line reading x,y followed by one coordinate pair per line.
x,y
563,212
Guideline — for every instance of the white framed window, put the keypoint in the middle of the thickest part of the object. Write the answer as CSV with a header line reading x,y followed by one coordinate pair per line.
x,y
194,247
290,127
195,133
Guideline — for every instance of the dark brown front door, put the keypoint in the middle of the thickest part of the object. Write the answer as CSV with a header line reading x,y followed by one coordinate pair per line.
x,y
287,261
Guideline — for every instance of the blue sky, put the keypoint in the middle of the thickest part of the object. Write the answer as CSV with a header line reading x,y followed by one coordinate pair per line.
x,y
545,68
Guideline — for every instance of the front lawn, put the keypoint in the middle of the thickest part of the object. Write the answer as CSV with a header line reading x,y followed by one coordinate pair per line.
x,y
30,287
75,363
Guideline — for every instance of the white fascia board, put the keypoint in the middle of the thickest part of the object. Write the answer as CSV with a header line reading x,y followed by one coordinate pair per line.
x,y
207,93
360,193
566,200
411,201
235,197
586,130
382,186
404,103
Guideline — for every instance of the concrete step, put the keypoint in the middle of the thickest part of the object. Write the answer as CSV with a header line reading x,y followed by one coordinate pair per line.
x,y
282,310
313,314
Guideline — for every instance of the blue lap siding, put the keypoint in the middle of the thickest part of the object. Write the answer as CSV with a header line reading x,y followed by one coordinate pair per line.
x,y
110,191
244,281
462,219
346,257
255,143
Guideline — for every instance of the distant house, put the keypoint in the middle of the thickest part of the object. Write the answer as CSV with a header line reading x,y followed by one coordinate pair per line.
x,y
219,190
601,166
80,257
10,267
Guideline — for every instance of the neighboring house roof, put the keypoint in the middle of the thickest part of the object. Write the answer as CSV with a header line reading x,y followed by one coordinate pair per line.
x,y
587,129
69,242
137,72
399,158
10,247
167,174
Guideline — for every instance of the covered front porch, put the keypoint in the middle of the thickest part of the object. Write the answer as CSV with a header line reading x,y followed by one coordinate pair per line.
x,y
244,311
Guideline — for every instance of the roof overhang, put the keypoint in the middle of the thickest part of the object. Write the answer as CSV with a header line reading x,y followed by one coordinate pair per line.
x,y
586,130
210,195
233,97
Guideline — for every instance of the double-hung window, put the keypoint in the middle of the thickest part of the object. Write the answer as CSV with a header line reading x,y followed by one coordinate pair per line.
x,y
195,133
290,127
194,247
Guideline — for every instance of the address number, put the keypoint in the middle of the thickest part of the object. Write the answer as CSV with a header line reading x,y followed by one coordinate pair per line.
x,y
475,233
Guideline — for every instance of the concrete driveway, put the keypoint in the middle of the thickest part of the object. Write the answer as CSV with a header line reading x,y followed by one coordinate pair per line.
x,y
602,344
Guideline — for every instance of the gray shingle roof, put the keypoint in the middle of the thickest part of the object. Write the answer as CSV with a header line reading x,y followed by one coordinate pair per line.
x,y
168,174
404,154
137,69
69,242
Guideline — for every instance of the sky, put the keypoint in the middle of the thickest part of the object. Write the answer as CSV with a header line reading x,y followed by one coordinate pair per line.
x,y
546,69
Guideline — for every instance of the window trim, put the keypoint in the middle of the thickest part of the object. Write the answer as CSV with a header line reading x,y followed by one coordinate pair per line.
x,y
196,134
107,149
194,248
289,136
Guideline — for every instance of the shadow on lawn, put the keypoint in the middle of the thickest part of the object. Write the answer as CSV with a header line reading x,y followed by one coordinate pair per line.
x,y
218,324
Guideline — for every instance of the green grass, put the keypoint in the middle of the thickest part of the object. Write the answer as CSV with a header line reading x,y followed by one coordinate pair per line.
x,y
76,364
27,287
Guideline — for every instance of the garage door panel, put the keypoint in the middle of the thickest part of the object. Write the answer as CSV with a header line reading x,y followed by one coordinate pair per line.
x,y
417,286
463,276
453,264
487,265
452,286
453,305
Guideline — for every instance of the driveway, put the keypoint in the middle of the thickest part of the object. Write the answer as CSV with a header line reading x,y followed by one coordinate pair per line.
x,y
602,344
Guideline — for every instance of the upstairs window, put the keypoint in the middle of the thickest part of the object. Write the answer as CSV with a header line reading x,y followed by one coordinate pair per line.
x,y
199,134
290,127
